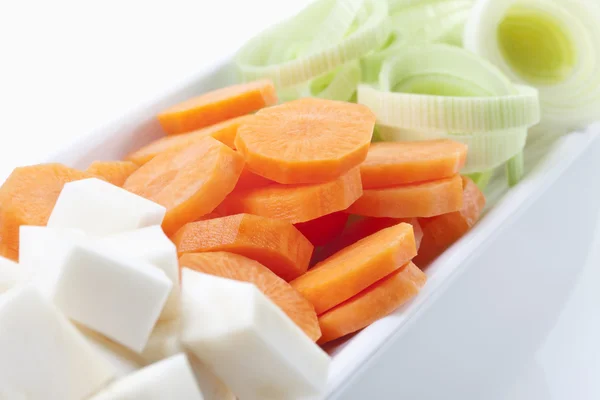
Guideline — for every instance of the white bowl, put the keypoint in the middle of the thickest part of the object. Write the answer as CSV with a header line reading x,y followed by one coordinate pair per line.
x,y
491,299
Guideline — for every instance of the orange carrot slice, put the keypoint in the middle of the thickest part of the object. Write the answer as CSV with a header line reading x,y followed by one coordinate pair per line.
x,y
249,180
216,106
366,226
224,132
190,182
239,268
375,302
276,244
28,196
357,267
306,141
398,163
442,231
414,200
323,230
9,253
115,172
296,203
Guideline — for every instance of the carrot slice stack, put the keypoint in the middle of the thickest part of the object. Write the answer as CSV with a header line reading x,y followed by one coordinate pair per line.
x,y
276,244
218,105
426,199
234,266
442,231
306,141
296,203
324,229
189,183
357,267
115,172
224,132
398,163
377,301
27,197
249,180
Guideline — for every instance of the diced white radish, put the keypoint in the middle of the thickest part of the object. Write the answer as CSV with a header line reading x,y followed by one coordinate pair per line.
x,y
165,342
152,245
11,274
100,208
248,341
42,354
171,378
123,360
109,293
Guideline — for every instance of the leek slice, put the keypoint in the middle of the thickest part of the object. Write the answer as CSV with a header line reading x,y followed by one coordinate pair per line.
x,y
312,53
550,44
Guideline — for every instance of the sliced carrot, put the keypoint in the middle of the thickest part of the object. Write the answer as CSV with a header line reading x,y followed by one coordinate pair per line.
x,y
365,226
190,182
28,196
357,267
413,200
239,268
306,141
224,132
115,172
276,244
324,229
9,253
373,303
296,203
217,106
398,163
249,180
442,231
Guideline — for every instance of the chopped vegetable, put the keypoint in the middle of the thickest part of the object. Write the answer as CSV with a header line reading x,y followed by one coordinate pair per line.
x,y
296,203
115,172
413,200
442,231
373,303
223,131
239,268
356,267
190,182
397,163
322,230
306,141
276,244
217,106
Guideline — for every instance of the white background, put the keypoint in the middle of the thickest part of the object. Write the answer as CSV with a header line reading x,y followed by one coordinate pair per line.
x,y
67,67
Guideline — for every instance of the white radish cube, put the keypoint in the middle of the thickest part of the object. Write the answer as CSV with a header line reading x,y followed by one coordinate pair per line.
x,y
42,354
100,208
150,244
171,378
123,360
248,341
165,342
11,274
111,294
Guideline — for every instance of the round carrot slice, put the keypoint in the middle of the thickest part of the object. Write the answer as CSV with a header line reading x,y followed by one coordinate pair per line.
x,y
442,231
234,266
115,172
306,141
397,163
28,196
375,302
249,180
323,230
414,200
296,203
357,267
276,244
224,132
190,182
216,106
